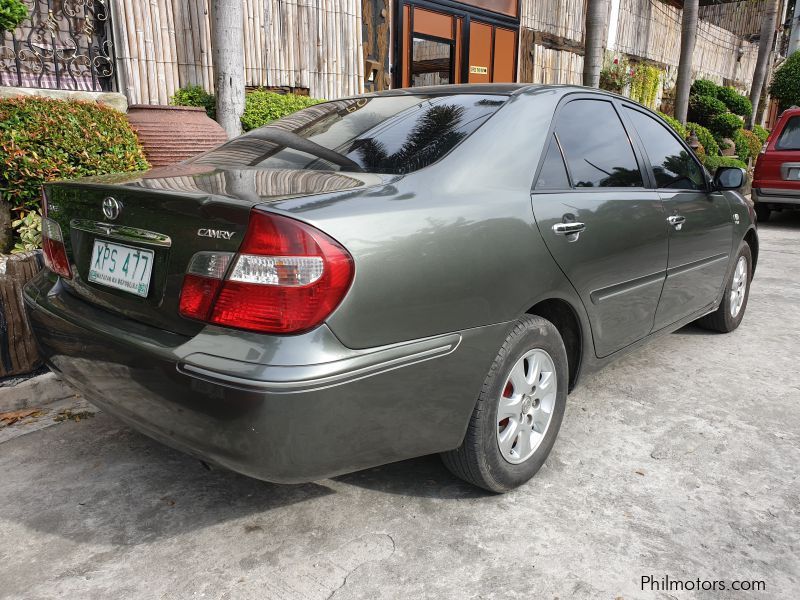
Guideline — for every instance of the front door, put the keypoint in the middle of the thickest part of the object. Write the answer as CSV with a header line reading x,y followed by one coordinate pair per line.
x,y
438,44
699,222
602,225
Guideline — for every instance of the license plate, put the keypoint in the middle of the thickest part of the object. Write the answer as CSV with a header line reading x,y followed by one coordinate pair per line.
x,y
794,173
121,267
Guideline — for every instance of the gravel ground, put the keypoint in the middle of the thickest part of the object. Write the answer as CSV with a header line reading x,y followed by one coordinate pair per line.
x,y
680,461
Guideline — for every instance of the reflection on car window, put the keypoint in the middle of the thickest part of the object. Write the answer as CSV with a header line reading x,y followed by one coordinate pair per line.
x,y
385,134
553,175
596,146
673,165
790,136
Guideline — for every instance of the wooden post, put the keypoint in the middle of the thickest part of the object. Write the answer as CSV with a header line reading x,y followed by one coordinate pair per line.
x,y
18,351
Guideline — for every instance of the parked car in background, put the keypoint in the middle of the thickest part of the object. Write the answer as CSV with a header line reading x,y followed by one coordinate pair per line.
x,y
776,180
388,276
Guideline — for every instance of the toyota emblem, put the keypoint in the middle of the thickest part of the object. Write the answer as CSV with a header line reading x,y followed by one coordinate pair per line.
x,y
111,208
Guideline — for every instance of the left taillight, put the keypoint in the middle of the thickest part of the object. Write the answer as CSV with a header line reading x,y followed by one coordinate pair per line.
x,y
55,252
288,277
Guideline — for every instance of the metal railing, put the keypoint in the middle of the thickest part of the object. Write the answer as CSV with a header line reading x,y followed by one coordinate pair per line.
x,y
64,44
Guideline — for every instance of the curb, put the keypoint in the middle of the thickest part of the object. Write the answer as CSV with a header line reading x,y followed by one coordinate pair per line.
x,y
34,393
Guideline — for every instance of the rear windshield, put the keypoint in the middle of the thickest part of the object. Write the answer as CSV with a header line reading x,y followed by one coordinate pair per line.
x,y
790,136
387,134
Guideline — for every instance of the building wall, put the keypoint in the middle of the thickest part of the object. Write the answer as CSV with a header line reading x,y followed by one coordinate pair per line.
x,y
551,41
162,45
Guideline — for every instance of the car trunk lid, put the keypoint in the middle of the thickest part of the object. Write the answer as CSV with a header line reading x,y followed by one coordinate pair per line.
x,y
165,216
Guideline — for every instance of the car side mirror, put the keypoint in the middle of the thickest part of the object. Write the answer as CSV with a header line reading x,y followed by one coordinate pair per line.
x,y
729,178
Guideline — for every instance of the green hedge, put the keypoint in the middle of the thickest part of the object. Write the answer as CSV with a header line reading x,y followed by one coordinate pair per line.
x,y
703,109
262,107
705,137
712,163
761,132
748,145
736,102
195,95
675,124
725,125
43,139
704,87
12,14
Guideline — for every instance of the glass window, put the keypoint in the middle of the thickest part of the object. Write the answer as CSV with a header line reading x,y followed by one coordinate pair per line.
x,y
553,175
384,134
431,62
673,164
790,136
596,146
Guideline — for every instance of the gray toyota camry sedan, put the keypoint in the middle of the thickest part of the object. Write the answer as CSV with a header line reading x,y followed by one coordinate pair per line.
x,y
388,276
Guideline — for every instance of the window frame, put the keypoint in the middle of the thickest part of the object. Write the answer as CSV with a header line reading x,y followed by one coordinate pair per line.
x,y
782,132
676,137
641,160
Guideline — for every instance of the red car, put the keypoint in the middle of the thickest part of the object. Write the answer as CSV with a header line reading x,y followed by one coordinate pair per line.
x,y
776,181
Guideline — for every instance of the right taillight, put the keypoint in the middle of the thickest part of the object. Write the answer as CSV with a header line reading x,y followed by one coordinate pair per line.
x,y
55,253
288,277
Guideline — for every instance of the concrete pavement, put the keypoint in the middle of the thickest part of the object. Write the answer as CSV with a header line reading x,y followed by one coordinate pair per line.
x,y
681,460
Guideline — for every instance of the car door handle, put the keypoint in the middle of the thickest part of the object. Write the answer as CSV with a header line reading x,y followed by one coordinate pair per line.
x,y
568,228
676,221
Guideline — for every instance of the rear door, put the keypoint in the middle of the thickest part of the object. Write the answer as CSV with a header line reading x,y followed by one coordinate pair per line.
x,y
699,221
602,225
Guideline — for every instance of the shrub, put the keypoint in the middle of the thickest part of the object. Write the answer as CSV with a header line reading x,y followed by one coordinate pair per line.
x,y
761,133
705,137
785,84
29,231
195,95
43,139
262,107
644,84
725,125
12,14
748,145
703,109
704,87
712,163
736,102
675,124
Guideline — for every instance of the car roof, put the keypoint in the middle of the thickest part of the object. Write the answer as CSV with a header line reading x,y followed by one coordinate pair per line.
x,y
506,89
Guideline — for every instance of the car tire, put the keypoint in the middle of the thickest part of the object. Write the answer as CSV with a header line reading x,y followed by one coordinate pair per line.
x,y
762,212
725,319
535,346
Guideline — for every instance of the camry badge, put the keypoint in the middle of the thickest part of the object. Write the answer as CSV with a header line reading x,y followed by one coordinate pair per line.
x,y
217,234
111,208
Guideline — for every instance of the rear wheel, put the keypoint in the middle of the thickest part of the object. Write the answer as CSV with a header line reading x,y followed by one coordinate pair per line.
x,y
762,212
737,291
519,410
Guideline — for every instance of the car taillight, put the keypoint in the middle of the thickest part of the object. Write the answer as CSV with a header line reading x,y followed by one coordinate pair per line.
x,y
288,277
55,253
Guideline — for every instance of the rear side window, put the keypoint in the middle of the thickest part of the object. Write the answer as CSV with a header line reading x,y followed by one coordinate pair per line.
x,y
790,136
596,146
673,165
553,175
384,134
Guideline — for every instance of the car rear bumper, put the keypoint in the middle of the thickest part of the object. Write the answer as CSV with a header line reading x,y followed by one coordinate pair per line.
x,y
776,196
282,409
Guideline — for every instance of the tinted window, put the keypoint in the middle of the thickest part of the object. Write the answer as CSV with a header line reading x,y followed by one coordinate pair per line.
x,y
790,136
596,146
553,175
673,165
389,134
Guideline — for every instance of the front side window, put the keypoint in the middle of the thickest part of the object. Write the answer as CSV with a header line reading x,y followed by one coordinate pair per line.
x,y
673,164
790,136
596,146
384,134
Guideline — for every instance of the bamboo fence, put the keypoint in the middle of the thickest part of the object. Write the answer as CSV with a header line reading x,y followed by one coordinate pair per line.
x,y
162,45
